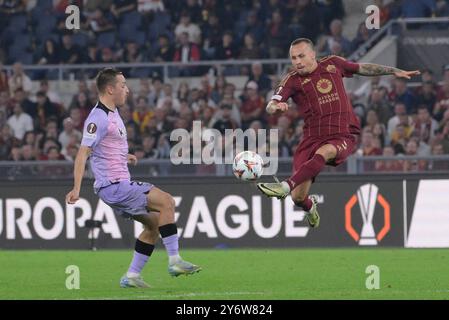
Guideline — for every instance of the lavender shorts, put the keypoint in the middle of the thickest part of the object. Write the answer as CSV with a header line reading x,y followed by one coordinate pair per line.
x,y
126,198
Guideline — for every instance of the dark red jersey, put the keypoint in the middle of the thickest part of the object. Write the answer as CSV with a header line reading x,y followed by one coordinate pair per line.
x,y
322,98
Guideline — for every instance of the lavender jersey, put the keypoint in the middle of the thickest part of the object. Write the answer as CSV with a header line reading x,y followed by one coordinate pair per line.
x,y
105,133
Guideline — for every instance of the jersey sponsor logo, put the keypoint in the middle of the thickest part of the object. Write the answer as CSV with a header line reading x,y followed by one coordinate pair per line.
x,y
324,86
91,128
331,68
367,197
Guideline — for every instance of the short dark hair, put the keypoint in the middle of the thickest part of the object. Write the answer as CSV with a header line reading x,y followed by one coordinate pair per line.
x,y
302,40
106,77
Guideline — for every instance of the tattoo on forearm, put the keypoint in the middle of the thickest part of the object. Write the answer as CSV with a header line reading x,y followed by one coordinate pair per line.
x,y
371,69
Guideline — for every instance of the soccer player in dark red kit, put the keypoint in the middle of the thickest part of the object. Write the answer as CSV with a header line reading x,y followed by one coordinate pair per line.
x,y
330,125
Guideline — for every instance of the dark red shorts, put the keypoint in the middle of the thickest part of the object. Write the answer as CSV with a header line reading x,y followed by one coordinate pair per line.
x,y
345,144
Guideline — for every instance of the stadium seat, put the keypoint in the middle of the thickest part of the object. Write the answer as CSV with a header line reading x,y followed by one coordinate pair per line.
x,y
22,40
126,32
106,39
81,39
132,18
18,23
25,58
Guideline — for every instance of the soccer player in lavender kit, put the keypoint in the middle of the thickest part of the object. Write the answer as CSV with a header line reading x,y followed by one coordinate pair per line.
x,y
105,143
330,128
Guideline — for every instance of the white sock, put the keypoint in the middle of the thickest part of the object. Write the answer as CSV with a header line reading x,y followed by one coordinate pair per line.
x,y
132,274
285,186
173,259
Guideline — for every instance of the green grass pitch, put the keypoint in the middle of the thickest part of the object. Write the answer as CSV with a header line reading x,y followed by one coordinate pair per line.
x,y
232,274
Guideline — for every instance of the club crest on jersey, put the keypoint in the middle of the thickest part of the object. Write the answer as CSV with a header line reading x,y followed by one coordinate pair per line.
x,y
324,86
121,132
331,68
91,128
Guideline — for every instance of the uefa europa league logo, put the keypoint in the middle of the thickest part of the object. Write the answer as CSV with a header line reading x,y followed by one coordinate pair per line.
x,y
367,199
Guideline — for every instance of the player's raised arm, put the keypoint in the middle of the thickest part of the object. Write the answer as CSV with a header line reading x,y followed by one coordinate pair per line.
x,y
372,69
78,173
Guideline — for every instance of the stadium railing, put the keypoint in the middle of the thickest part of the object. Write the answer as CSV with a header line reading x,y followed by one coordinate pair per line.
x,y
390,28
146,168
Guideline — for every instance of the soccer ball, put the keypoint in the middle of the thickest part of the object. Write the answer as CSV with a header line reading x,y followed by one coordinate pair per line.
x,y
247,166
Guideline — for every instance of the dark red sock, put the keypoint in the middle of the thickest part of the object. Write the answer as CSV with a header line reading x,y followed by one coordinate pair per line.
x,y
306,205
307,171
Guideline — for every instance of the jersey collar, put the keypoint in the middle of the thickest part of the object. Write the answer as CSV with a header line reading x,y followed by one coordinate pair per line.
x,y
103,107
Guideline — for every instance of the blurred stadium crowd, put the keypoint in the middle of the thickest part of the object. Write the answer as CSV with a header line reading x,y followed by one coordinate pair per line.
x,y
396,119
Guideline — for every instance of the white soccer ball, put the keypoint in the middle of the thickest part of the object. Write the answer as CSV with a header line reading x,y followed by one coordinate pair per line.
x,y
247,166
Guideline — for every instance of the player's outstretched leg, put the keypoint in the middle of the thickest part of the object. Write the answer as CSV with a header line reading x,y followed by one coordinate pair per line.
x,y
308,204
165,204
142,251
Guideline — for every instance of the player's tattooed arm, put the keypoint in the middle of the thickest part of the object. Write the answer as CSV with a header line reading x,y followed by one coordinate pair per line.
x,y
372,69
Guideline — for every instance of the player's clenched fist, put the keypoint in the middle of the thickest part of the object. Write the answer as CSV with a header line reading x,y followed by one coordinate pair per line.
x,y
72,197
275,107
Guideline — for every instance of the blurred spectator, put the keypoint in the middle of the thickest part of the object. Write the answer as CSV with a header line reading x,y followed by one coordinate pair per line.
x,y
253,105
186,52
378,103
121,7
28,153
425,125
149,147
330,10
442,101
20,122
212,34
388,165
142,114
53,96
375,127
191,29
68,130
4,87
99,23
75,115
250,49
69,53
44,109
147,6
368,145
227,49
164,51
193,9
362,36
224,121
412,150
19,80
277,36
257,75
7,141
50,54
306,20
427,95
401,93
27,105
83,104
399,111
327,43
400,135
